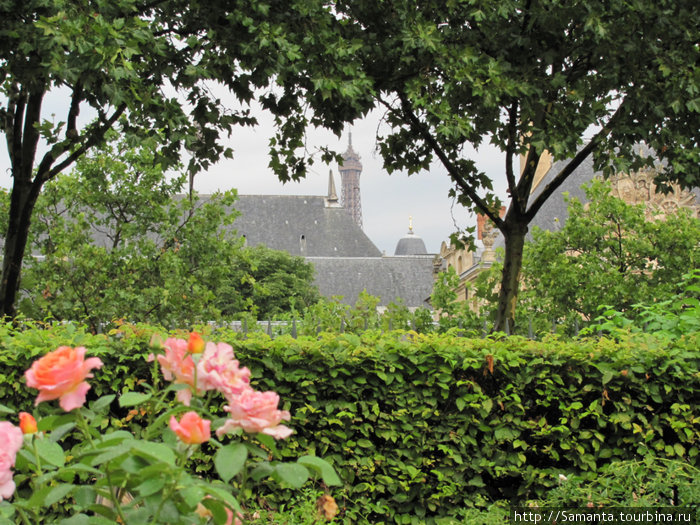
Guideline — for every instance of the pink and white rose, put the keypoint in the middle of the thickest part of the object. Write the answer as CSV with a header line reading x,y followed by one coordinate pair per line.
x,y
219,370
256,412
11,439
177,365
191,428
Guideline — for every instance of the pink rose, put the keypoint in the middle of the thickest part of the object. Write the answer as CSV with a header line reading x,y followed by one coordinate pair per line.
x,y
191,429
256,412
11,439
178,366
61,375
218,370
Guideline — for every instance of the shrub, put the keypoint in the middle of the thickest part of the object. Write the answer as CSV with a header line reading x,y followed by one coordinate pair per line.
x,y
421,427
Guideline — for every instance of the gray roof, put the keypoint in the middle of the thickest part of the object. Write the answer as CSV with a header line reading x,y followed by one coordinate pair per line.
x,y
410,278
555,207
411,244
301,225
345,259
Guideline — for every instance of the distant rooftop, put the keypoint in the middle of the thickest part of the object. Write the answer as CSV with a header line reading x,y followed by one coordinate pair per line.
x,y
301,225
389,278
410,244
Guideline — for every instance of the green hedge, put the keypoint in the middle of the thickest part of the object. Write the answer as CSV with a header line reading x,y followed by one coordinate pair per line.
x,y
422,426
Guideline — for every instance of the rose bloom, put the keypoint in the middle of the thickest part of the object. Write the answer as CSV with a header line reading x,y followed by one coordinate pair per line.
x,y
256,412
27,423
195,344
61,375
178,366
11,439
218,370
191,429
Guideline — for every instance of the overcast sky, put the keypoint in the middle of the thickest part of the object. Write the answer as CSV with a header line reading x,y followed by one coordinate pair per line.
x,y
387,200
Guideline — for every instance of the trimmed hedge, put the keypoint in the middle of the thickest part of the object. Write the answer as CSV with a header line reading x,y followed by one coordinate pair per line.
x,y
421,426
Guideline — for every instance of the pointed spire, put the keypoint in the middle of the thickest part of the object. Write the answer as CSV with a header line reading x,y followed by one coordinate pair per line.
x,y
332,194
350,153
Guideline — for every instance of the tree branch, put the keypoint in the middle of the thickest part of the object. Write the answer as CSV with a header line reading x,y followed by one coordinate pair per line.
x,y
511,147
420,127
45,172
573,164
11,129
527,177
30,133
74,111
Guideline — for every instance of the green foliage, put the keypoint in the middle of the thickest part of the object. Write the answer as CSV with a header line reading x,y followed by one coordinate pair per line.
x,y
267,283
415,423
300,510
422,427
451,312
671,319
647,482
332,315
114,237
95,465
147,71
450,77
607,253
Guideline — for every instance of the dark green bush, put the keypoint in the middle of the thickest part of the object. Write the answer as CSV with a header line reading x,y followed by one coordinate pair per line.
x,y
423,426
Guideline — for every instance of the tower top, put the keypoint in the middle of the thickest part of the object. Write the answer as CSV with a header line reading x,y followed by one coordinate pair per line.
x,y
350,171
410,244
351,159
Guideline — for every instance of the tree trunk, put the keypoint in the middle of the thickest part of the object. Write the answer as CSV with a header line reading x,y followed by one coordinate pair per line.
x,y
22,201
510,279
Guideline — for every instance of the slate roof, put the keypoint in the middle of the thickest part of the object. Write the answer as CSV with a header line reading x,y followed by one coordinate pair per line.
x,y
555,207
301,225
346,260
409,277
410,244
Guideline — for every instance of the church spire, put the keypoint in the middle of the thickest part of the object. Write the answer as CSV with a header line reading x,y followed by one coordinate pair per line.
x,y
332,198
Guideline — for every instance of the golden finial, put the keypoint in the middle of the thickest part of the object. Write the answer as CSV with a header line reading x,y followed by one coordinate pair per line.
x,y
410,224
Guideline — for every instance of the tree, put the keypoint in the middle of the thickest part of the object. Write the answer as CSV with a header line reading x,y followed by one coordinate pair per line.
x,y
607,253
267,283
575,79
114,240
142,68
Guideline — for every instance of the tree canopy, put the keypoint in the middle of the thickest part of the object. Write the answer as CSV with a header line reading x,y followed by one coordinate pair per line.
x,y
113,239
575,79
147,69
607,254
117,238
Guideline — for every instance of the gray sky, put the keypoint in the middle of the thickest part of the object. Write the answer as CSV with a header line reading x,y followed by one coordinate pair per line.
x,y
387,200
